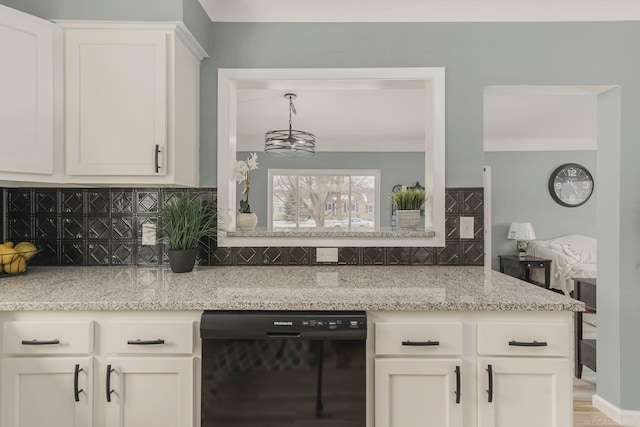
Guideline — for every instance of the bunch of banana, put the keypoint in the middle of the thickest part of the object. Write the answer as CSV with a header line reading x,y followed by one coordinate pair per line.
x,y
13,258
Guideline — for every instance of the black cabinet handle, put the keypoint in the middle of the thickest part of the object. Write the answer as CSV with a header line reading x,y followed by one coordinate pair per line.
x,y
36,342
157,158
147,342
528,343
490,391
109,390
457,384
420,343
76,392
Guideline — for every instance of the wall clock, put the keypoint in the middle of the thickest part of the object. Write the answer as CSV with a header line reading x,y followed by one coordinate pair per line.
x,y
571,185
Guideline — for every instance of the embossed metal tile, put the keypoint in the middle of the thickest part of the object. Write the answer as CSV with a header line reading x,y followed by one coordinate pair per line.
x,y
71,202
19,202
452,227
46,202
121,228
299,256
48,255
222,256
98,202
472,201
98,228
71,253
449,255
73,228
472,253
398,256
247,256
46,228
19,228
122,252
98,253
121,201
348,256
422,256
147,201
451,203
147,255
272,255
373,256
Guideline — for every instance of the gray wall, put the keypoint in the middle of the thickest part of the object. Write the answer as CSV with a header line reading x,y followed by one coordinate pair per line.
x,y
395,168
188,11
519,193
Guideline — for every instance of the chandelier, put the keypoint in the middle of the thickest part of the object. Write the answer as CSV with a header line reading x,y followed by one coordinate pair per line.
x,y
291,142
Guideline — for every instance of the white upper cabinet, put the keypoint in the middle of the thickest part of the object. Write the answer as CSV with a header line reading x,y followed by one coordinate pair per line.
x,y
31,101
131,103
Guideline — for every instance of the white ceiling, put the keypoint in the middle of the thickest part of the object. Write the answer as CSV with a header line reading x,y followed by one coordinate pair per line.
x,y
344,116
421,10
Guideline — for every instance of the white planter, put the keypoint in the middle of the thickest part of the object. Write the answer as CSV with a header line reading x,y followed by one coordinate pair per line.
x,y
408,219
246,221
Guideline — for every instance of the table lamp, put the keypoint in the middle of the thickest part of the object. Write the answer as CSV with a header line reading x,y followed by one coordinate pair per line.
x,y
521,232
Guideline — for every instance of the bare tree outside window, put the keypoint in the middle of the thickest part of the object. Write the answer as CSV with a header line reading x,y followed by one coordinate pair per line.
x,y
324,201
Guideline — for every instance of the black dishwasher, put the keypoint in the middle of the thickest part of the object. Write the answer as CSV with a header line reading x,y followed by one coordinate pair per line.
x,y
283,368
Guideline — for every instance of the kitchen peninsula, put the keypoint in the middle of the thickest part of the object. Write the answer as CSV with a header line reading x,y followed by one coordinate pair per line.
x,y
498,338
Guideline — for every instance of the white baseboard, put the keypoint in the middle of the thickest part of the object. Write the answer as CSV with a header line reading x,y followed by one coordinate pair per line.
x,y
620,416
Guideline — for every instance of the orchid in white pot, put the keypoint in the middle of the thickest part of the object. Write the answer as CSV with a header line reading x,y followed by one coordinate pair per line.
x,y
243,173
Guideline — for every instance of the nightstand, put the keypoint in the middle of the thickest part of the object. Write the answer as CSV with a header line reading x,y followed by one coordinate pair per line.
x,y
520,268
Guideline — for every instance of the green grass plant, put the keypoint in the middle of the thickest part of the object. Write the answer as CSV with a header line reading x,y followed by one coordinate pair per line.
x,y
409,199
186,219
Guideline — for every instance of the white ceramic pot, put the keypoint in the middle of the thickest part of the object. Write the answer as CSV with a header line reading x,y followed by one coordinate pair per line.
x,y
408,219
246,221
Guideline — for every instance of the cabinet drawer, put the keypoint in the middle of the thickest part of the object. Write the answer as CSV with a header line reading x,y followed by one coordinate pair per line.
x,y
47,337
149,337
426,339
524,339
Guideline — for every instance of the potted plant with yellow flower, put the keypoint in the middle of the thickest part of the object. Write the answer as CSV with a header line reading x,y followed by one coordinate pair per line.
x,y
246,220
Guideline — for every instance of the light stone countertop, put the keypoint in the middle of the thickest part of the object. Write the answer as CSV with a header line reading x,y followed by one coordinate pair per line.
x,y
276,288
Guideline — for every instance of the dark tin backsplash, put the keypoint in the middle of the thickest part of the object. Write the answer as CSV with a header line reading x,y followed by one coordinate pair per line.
x,y
104,227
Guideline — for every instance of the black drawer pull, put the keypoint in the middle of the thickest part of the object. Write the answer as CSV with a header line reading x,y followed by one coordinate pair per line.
x,y
146,342
490,391
421,343
283,335
158,158
109,390
76,392
45,342
457,384
528,343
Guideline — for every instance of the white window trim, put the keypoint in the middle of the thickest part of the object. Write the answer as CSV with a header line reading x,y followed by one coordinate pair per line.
x,y
320,172
434,82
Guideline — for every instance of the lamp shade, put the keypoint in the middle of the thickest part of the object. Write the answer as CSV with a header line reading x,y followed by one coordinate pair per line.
x,y
521,231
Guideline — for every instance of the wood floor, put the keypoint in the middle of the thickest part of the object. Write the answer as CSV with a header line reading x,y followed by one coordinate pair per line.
x,y
583,413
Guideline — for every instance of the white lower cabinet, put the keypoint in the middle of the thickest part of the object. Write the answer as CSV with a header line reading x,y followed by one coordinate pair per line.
x,y
47,391
524,392
418,392
149,392
99,369
506,368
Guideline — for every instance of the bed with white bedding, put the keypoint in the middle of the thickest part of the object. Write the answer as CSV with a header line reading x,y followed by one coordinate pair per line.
x,y
571,256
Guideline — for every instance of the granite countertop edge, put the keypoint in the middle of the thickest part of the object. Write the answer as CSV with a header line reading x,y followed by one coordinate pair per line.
x,y
371,288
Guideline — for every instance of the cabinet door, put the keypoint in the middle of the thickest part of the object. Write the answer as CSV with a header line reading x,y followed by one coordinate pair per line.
x,y
116,102
31,86
526,392
42,391
150,392
417,392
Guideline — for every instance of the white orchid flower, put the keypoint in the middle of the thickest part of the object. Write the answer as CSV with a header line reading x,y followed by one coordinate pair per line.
x,y
252,161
